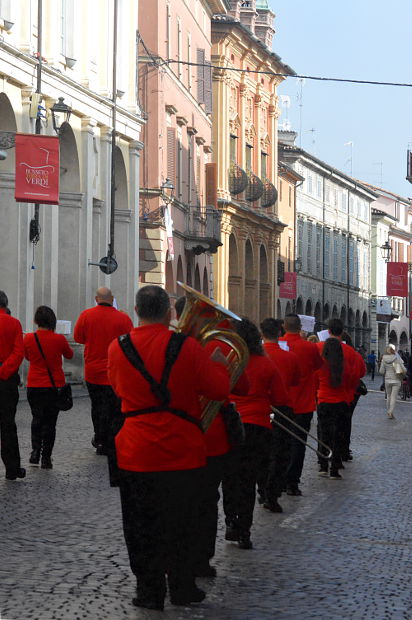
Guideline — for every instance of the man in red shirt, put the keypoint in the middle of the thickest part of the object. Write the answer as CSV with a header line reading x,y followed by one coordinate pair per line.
x,y
303,395
288,366
161,451
11,356
96,328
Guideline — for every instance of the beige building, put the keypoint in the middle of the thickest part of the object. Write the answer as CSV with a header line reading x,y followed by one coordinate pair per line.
x,y
245,114
77,64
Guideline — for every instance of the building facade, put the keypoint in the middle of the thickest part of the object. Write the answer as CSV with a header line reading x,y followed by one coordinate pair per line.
x,y
245,114
392,225
179,233
56,270
333,247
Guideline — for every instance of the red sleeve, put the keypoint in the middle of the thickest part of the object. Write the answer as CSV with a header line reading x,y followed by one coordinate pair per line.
x,y
79,333
13,361
277,393
67,351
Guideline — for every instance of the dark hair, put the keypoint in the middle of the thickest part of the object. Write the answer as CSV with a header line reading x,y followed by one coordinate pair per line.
x,y
292,323
251,335
180,306
335,326
4,301
347,339
272,328
45,317
152,303
333,355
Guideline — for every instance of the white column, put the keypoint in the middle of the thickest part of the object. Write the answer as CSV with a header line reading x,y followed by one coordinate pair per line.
x,y
133,280
86,249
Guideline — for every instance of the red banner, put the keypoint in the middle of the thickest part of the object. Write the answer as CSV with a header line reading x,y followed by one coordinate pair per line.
x,y
37,168
397,279
287,289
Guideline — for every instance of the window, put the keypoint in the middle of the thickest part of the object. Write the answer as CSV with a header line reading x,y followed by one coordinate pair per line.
x,y
179,49
179,164
365,268
168,29
309,246
171,154
366,211
319,187
335,255
310,184
233,149
351,262
204,80
344,202
351,206
319,246
189,60
300,240
343,263
289,253
290,196
263,164
280,193
327,253
67,28
327,193
249,151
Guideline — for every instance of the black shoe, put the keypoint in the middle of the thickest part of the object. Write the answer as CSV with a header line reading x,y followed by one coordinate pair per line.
x,y
34,457
335,475
244,541
46,463
232,531
148,603
20,472
293,490
205,570
340,466
273,506
185,597
323,471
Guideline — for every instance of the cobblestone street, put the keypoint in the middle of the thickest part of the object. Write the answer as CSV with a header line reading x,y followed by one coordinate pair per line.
x,y
344,550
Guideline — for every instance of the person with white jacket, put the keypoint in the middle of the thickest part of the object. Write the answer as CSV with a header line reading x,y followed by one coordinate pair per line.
x,y
392,369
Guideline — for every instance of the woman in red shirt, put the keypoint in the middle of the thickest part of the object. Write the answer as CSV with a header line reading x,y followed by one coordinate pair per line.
x,y
40,391
255,409
334,380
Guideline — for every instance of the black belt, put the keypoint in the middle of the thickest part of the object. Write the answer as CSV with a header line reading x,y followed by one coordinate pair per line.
x,y
177,412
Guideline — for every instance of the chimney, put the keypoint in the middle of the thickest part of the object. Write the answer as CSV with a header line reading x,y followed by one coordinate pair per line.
x,y
264,23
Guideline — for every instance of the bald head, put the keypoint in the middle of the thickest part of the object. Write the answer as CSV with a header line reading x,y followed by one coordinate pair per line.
x,y
104,296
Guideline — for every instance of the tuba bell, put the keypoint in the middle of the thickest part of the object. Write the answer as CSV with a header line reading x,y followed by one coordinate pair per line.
x,y
206,320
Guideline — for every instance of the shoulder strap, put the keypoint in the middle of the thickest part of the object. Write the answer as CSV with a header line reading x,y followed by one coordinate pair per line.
x,y
45,361
160,390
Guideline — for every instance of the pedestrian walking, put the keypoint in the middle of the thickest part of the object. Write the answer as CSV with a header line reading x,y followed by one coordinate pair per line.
x,y
393,370
371,360
303,396
96,328
44,350
161,451
11,356
287,365
266,390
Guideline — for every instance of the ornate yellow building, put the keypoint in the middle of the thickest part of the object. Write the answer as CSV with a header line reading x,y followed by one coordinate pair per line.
x,y
245,113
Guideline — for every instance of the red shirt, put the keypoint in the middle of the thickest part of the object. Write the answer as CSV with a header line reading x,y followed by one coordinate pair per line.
x,y
54,346
309,360
217,442
162,441
287,364
327,393
11,345
265,390
96,328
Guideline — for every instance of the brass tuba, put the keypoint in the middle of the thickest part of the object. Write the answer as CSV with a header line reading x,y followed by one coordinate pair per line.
x,y
206,320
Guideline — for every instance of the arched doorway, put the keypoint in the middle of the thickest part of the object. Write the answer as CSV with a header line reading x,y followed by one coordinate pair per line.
x,y
299,305
357,329
288,309
278,310
189,280
393,338
70,168
197,279
263,284
234,278
351,321
7,123
250,283
403,342
365,333
343,316
308,308
326,312
335,314
318,317
205,282
179,277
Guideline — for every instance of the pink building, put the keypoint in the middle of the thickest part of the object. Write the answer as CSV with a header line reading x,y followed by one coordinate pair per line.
x,y
178,234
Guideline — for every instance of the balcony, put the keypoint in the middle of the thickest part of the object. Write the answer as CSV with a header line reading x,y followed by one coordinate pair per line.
x,y
255,187
204,233
269,196
238,180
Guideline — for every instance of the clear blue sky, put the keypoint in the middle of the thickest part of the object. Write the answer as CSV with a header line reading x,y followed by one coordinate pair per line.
x,y
358,39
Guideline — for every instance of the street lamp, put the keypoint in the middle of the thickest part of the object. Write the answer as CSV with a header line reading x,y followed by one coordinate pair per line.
x,y
60,114
167,188
386,250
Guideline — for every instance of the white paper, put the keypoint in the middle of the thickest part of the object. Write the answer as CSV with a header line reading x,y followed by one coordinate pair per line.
x,y
284,345
63,327
323,335
308,322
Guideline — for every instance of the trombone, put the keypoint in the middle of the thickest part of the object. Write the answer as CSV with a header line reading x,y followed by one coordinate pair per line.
x,y
283,427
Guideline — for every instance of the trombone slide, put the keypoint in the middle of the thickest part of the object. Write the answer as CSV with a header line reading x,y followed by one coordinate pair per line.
x,y
283,427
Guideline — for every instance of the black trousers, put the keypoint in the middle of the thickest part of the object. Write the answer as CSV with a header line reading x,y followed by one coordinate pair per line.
x,y
104,402
160,527
346,428
280,455
298,449
330,424
254,463
9,397
208,510
43,425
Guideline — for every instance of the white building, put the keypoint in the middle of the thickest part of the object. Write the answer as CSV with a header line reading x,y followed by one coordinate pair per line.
x,y
77,52
332,243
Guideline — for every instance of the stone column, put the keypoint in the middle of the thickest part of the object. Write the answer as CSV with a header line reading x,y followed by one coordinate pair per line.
x,y
135,149
86,249
242,236
105,167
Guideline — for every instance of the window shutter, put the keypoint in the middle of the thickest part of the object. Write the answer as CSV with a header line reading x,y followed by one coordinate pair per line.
x,y
208,87
200,59
211,184
171,154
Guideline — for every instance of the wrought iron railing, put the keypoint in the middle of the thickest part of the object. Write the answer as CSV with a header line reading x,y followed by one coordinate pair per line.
x,y
270,194
238,179
254,188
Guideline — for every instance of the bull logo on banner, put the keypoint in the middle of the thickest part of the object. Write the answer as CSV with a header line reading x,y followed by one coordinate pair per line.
x,y
37,169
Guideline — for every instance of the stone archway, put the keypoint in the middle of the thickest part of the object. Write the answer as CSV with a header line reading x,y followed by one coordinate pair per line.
x,y
179,277
288,309
205,282
357,329
308,307
263,284
70,168
335,312
393,338
318,316
403,341
7,123
197,279
278,310
343,316
234,277
299,305
250,282
326,312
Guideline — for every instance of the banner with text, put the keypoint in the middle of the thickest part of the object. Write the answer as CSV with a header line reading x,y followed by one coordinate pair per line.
x,y
397,279
37,168
287,288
